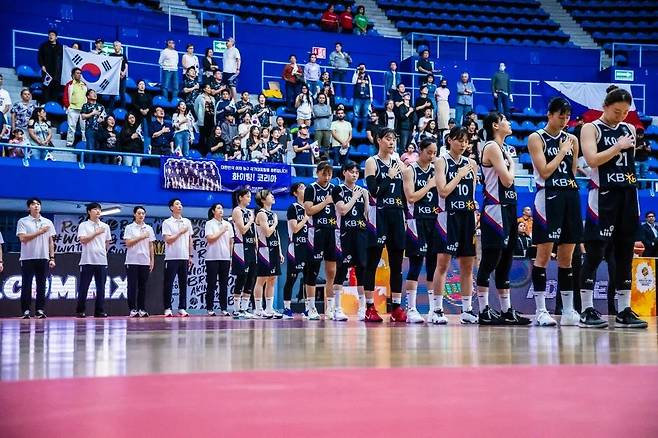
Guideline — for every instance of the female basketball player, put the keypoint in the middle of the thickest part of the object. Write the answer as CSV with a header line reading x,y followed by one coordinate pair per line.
x,y
297,248
557,216
422,237
613,215
498,222
270,256
244,254
386,223
455,182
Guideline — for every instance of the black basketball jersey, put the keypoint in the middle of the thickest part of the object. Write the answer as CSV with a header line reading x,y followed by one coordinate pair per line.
x,y
562,177
248,238
495,191
355,219
390,195
426,207
263,240
325,218
619,171
297,212
462,197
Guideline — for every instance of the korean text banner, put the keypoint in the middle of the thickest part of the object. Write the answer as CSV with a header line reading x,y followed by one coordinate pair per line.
x,y
223,176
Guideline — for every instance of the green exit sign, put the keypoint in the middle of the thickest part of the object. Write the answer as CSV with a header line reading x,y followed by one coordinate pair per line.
x,y
624,75
219,46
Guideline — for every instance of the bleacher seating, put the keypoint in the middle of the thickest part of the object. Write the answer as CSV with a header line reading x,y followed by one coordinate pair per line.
x,y
501,21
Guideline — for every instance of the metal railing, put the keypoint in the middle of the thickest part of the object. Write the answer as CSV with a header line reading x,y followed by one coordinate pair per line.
x,y
207,15
618,46
415,36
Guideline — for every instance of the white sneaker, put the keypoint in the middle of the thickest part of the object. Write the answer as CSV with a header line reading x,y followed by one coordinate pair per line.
x,y
245,314
414,317
134,313
437,317
570,318
544,319
167,313
183,313
339,315
261,314
312,315
361,314
329,314
143,314
276,315
468,317
211,313
226,313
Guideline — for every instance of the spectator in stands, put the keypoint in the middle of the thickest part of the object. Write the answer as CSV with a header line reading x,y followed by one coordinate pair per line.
x,y
322,122
410,155
183,124
303,152
470,116
642,151
191,87
98,47
189,59
392,78
405,126
204,108
217,84
234,152
231,64
162,135
253,146
93,114
107,140
121,98
304,106
223,105
217,144
76,96
428,81
329,19
17,138
340,61
75,46
229,128
5,100
341,136
275,149
263,112
346,20
373,127
423,102
285,139
442,105
579,126
243,131
424,65
292,75
526,218
141,106
465,92
397,95
131,140
169,64
22,110
523,241
38,128
327,88
429,131
426,117
473,139
501,88
362,96
312,75
360,21
209,66
50,60
389,119
650,235
244,106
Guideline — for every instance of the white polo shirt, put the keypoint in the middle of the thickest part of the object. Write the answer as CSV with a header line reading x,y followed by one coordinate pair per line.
x,y
220,249
37,248
140,253
94,252
180,249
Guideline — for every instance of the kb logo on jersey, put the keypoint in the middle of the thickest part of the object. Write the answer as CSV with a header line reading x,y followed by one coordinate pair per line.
x,y
423,209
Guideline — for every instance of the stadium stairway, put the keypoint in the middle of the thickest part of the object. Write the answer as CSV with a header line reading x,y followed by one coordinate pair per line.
x,y
12,84
384,26
577,34
180,9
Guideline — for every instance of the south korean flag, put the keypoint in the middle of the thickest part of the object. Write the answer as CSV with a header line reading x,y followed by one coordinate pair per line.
x,y
101,73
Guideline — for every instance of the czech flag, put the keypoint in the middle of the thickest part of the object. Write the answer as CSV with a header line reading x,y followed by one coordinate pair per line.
x,y
586,99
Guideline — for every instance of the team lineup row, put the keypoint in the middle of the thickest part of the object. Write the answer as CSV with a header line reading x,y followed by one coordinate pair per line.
x,y
425,211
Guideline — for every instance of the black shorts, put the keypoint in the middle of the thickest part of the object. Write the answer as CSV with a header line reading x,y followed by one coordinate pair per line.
x,y
422,237
323,242
498,226
612,214
269,262
226,79
296,255
457,233
389,229
243,256
556,217
353,247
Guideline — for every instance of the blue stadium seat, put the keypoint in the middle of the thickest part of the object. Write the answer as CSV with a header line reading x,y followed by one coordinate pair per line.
x,y
524,158
159,101
130,83
25,71
651,130
481,110
120,114
527,125
63,127
54,108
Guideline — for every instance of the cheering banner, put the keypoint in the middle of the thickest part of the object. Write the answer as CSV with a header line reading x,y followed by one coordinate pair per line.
x,y
223,176
643,287
101,73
